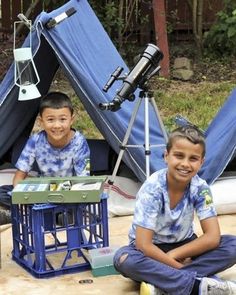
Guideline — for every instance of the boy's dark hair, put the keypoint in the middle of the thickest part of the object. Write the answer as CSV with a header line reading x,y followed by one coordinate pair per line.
x,y
188,132
55,100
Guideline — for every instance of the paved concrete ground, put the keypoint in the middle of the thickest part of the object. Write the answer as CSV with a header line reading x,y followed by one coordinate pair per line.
x,y
14,280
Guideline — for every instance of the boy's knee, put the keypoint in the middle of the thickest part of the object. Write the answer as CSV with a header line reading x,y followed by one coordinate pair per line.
x,y
121,261
120,257
123,264
123,258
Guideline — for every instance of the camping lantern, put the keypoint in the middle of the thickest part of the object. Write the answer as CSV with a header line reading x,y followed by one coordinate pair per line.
x,y
26,76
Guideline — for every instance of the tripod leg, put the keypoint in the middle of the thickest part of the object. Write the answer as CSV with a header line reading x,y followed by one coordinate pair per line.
x,y
147,141
125,140
147,130
159,119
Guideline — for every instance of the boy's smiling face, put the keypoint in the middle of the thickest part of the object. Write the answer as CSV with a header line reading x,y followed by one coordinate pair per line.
x,y
183,160
57,124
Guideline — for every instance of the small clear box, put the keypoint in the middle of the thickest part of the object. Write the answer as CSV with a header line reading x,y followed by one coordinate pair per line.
x,y
102,256
101,260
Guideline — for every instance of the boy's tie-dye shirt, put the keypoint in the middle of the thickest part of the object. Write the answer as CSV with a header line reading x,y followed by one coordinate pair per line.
x,y
71,160
152,210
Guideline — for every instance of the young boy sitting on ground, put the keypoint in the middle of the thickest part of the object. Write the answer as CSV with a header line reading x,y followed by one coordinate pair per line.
x,y
164,253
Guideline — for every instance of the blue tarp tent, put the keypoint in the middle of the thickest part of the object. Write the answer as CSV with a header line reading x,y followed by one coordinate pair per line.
x,y
220,140
87,56
83,49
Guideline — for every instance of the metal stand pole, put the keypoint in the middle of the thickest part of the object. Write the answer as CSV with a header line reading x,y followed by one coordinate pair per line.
x,y
146,128
125,140
147,100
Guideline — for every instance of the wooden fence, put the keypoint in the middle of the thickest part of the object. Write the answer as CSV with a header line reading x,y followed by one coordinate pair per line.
x,y
9,9
178,14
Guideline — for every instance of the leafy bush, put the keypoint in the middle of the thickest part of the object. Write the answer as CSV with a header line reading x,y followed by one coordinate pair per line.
x,y
221,39
122,21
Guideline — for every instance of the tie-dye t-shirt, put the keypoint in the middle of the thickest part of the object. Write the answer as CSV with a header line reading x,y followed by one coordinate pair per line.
x,y
152,210
71,160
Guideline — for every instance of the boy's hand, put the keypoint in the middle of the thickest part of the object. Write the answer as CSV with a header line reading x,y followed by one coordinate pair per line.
x,y
183,261
173,254
144,243
19,175
187,261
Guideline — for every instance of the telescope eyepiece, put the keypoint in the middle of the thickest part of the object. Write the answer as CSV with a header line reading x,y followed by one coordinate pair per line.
x,y
111,106
114,76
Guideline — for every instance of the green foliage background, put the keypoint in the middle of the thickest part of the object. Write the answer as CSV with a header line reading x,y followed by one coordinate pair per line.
x,y
221,39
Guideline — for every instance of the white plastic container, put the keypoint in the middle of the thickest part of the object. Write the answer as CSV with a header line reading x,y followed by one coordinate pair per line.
x,y
102,256
101,260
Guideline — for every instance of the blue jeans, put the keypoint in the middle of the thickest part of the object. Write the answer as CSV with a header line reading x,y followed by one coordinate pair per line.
x,y
132,263
5,195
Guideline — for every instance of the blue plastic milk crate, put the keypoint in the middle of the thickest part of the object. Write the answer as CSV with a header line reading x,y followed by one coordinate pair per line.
x,y
50,240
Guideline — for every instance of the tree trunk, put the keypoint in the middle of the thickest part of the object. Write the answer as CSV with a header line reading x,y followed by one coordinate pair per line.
x,y
161,35
194,17
197,18
120,34
200,25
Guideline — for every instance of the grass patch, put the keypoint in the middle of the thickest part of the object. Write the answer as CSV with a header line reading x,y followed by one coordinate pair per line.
x,y
83,122
199,103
